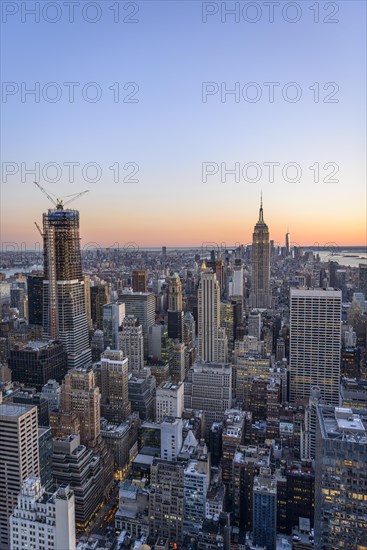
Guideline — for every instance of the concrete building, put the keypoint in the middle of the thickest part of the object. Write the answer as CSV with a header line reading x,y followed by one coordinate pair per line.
x,y
131,343
169,400
171,438
177,362
315,343
75,465
340,478
52,391
208,387
196,484
19,458
80,395
142,306
114,374
208,316
166,500
41,520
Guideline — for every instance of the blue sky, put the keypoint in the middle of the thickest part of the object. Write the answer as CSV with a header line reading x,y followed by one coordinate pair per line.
x,y
170,132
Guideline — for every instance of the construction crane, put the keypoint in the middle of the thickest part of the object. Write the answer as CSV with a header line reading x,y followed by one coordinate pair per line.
x,y
39,229
59,203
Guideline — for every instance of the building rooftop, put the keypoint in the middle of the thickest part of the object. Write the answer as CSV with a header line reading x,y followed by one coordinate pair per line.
x,y
343,423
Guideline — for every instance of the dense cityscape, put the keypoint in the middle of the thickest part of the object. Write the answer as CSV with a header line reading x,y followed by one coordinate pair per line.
x,y
182,398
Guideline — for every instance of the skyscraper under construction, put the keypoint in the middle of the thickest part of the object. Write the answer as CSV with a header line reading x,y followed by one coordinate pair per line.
x,y
64,315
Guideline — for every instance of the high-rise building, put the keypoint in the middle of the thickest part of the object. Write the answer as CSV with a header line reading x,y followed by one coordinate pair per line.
x,y
169,400
315,343
208,316
139,280
88,309
196,485
45,457
99,296
287,244
80,395
75,465
52,391
64,315
175,313
141,396
171,437
166,500
113,316
340,478
175,293
115,405
42,520
19,458
254,324
208,387
35,299
131,343
34,363
265,510
260,294
177,362
142,306
362,279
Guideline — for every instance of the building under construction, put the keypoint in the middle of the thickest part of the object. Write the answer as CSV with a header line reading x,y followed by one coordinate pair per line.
x,y
64,313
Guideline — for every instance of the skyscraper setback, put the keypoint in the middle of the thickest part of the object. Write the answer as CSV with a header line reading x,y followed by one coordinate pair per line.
x,y
64,315
260,295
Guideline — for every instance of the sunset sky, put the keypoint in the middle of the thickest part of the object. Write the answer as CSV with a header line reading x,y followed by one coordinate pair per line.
x,y
170,132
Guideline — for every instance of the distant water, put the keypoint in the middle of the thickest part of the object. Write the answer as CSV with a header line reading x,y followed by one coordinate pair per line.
x,y
11,272
344,258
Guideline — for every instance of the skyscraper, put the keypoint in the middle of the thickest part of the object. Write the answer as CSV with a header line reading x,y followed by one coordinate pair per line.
x,y
131,343
265,510
315,343
35,299
175,313
115,406
340,478
113,315
175,293
362,279
19,458
139,280
260,295
208,316
142,306
287,243
64,314
80,395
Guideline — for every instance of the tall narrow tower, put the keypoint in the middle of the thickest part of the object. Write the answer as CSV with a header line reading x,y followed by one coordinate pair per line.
x,y
260,295
208,316
64,314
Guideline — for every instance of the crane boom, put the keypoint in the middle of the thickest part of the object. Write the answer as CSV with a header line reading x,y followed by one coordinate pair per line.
x,y
39,229
76,196
59,203
47,195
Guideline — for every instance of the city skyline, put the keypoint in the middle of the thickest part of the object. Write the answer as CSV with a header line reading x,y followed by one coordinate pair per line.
x,y
129,239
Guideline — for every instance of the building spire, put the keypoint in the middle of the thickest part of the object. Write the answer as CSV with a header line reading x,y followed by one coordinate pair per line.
x,y
261,213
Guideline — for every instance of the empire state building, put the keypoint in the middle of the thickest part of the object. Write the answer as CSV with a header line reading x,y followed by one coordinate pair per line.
x,y
260,295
